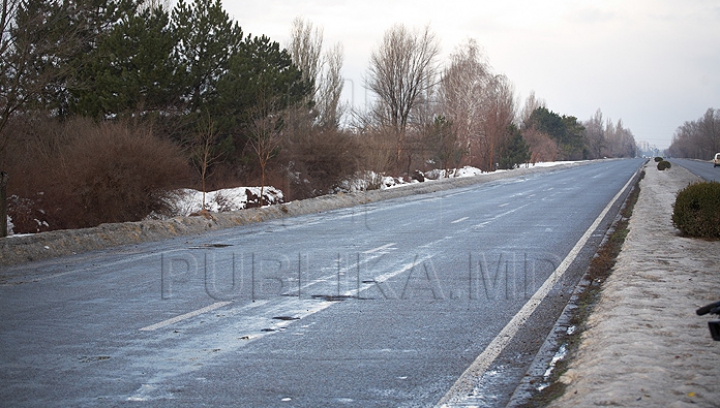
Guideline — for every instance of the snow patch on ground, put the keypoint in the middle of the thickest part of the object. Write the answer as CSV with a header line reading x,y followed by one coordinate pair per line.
x,y
645,346
185,202
10,225
466,171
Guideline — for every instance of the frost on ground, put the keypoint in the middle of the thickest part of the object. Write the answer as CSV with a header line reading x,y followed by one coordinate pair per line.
x,y
645,346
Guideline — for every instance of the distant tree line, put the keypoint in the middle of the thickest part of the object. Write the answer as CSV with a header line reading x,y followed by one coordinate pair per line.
x,y
698,139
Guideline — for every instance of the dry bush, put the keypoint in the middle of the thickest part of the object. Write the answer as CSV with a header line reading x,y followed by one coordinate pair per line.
x,y
379,151
319,160
81,174
116,173
30,158
542,147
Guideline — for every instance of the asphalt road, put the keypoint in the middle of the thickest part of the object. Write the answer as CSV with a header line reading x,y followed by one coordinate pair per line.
x,y
703,169
406,302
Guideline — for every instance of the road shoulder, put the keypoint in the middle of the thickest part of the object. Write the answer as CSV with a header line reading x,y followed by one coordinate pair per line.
x,y
644,345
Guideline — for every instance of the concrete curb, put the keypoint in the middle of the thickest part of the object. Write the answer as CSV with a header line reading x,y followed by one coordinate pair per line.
x,y
34,247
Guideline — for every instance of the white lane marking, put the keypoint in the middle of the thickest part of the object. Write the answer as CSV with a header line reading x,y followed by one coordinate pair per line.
x,y
380,248
463,389
503,205
379,279
460,220
185,316
484,223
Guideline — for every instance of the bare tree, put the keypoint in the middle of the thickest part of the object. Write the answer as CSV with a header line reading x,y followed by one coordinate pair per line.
x,y
542,147
14,60
323,70
619,140
204,154
265,142
709,130
305,49
401,70
330,89
531,104
499,114
595,135
479,104
462,92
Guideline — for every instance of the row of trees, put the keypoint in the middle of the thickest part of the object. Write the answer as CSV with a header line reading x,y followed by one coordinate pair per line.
x,y
467,115
603,138
698,139
462,115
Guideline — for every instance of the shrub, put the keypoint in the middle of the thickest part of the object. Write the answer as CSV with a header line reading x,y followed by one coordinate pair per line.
x,y
658,159
664,164
81,174
320,161
697,210
116,173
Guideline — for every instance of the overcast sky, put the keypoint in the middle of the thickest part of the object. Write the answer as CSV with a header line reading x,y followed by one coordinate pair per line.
x,y
652,63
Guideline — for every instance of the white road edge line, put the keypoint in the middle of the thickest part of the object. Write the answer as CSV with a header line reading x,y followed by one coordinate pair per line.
x,y
460,220
464,386
379,248
185,316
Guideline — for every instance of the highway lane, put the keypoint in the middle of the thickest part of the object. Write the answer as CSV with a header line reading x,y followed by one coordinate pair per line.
x,y
703,169
385,304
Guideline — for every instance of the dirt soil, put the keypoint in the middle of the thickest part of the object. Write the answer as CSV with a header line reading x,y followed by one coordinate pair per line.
x,y
645,346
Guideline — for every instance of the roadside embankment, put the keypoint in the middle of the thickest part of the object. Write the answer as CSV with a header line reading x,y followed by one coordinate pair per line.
x,y
644,345
26,248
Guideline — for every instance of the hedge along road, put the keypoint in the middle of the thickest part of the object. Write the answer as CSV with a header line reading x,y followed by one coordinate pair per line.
x,y
391,303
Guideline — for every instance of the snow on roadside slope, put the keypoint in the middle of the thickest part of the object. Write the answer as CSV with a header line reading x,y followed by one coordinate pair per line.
x,y
185,202
645,346
466,171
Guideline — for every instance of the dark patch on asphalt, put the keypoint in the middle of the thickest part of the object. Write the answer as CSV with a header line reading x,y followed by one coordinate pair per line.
x,y
89,359
334,298
210,246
